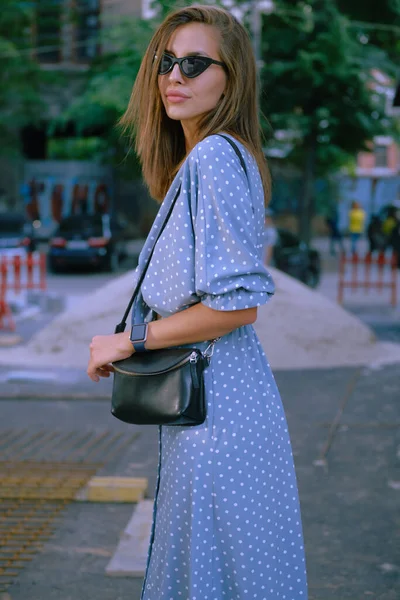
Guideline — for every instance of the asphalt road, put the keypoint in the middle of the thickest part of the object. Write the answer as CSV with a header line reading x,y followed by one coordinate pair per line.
x,y
344,425
75,283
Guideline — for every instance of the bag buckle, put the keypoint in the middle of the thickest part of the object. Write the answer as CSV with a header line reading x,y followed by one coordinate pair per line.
x,y
209,351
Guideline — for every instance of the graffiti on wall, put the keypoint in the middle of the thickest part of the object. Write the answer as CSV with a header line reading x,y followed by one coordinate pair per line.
x,y
47,199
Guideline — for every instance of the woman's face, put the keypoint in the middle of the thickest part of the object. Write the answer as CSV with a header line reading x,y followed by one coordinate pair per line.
x,y
187,99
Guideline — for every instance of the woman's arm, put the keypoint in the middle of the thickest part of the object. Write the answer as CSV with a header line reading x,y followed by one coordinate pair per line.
x,y
197,323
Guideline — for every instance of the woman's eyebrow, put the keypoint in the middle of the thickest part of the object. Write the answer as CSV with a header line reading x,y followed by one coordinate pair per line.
x,y
192,53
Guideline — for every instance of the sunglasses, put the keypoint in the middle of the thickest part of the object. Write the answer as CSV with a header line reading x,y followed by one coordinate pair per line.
x,y
190,66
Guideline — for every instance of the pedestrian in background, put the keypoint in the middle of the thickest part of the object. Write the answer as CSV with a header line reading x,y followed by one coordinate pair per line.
x,y
226,520
270,237
394,239
376,238
356,224
335,235
390,221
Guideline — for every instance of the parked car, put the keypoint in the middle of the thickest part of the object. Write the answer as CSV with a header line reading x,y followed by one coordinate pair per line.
x,y
87,241
16,234
297,258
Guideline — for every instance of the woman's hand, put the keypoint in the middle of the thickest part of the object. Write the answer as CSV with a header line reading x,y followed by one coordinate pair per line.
x,y
104,349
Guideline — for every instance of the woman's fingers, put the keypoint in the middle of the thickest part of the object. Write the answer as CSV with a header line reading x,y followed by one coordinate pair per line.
x,y
103,371
103,350
93,375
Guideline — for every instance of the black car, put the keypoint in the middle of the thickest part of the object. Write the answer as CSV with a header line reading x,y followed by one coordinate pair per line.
x,y
16,233
87,241
296,258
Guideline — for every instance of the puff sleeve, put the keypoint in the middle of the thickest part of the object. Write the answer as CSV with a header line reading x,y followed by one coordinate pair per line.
x,y
228,227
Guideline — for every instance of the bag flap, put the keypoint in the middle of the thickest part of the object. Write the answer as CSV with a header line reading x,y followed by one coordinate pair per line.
x,y
154,361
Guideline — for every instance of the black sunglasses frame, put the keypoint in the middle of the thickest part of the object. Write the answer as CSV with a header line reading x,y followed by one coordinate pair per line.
x,y
179,61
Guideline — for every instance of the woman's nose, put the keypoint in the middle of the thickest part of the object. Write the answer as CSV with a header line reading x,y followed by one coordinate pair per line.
x,y
176,75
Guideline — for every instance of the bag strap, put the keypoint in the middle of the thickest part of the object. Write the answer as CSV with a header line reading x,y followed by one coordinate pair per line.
x,y
236,149
122,325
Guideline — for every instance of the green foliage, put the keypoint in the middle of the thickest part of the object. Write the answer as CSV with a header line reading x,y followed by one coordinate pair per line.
x,y
314,83
108,86
163,7
20,77
111,76
318,85
109,83
376,23
77,148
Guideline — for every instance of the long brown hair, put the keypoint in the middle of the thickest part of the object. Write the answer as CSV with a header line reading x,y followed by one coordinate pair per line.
x,y
159,140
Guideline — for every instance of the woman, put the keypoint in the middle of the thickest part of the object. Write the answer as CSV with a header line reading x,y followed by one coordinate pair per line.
x,y
227,521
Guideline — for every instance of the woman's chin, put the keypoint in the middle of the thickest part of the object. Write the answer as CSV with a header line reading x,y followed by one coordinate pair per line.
x,y
177,113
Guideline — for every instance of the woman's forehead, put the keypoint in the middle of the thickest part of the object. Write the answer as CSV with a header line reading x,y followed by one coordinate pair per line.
x,y
194,38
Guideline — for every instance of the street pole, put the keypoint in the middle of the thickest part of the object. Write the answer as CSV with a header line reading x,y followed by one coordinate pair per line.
x,y
255,27
258,8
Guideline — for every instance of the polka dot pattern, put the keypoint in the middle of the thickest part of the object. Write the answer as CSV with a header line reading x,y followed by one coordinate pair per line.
x,y
227,521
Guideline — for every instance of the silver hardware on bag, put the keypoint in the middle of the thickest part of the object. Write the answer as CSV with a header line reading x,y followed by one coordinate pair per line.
x,y
209,351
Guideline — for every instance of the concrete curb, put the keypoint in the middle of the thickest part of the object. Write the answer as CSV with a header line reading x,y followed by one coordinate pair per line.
x,y
113,489
21,395
8,340
130,558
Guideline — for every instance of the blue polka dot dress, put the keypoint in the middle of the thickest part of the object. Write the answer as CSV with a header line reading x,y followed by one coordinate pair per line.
x,y
227,522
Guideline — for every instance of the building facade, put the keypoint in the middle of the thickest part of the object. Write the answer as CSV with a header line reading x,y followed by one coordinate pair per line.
x,y
65,38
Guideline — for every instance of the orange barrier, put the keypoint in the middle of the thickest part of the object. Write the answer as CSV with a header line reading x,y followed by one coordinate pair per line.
x,y
17,274
362,274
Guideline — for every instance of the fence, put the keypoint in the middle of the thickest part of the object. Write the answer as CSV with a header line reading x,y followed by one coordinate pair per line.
x,y
19,274
368,272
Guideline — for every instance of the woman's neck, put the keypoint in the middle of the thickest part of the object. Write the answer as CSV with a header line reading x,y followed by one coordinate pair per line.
x,y
191,134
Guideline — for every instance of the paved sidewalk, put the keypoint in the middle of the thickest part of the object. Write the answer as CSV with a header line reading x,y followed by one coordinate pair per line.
x,y
345,429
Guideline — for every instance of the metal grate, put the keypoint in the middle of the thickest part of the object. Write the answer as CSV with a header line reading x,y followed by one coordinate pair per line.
x,y
42,481
63,446
24,526
40,473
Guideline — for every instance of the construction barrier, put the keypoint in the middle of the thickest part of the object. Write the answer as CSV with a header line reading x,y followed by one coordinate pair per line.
x,y
368,272
19,274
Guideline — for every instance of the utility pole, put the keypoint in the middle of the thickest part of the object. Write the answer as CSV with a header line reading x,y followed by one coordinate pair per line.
x,y
255,28
257,9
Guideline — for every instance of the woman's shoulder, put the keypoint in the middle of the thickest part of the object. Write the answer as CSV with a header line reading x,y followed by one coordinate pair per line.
x,y
216,146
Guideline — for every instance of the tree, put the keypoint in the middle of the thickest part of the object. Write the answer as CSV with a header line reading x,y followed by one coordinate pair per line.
x,y
317,84
377,23
107,85
20,76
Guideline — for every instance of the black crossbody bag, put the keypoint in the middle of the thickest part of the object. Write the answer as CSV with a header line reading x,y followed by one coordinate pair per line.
x,y
161,387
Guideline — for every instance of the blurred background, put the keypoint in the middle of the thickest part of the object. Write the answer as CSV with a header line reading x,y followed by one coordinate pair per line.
x,y
74,213
329,95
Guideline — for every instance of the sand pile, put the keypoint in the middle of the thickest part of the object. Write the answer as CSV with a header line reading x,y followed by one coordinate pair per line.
x,y
299,328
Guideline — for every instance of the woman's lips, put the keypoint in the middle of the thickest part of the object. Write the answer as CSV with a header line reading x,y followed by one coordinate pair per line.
x,y
176,98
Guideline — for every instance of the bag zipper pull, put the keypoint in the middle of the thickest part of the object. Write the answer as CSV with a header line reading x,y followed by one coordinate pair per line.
x,y
193,368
